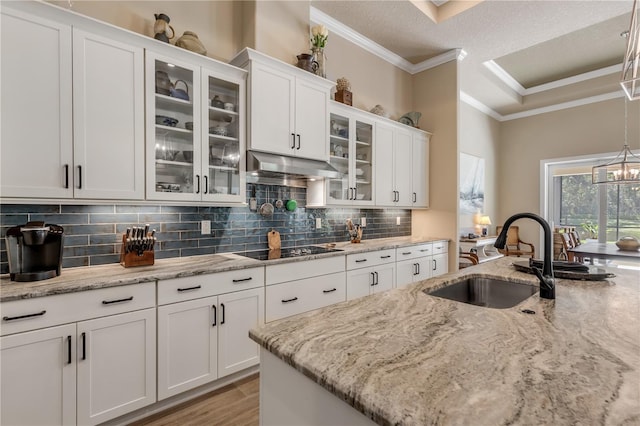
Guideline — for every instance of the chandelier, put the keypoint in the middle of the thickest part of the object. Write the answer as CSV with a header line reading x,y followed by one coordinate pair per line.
x,y
630,81
625,168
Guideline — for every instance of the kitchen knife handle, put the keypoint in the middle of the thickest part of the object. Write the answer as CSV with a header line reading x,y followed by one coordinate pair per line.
x,y
293,140
66,176
79,177
197,184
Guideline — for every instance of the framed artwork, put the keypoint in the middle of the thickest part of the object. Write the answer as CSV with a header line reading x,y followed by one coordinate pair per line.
x,y
471,184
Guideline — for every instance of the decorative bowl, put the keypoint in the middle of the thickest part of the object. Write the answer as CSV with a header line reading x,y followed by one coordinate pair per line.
x,y
628,243
166,121
219,130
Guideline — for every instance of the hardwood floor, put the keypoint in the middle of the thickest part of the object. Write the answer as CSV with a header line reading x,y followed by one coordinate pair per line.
x,y
234,405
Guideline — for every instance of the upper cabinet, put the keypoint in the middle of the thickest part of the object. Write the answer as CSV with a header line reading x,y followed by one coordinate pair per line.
x,y
351,139
72,111
195,131
288,107
404,182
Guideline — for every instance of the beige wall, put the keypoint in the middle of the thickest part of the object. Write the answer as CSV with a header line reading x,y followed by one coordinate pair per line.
x,y
219,24
479,136
436,96
590,129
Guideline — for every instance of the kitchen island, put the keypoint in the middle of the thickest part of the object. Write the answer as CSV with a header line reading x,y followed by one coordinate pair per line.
x,y
404,357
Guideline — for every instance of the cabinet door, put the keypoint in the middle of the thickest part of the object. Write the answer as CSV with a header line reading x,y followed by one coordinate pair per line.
x,y
406,271
108,112
339,190
440,264
420,171
360,283
424,269
223,147
174,149
36,129
116,365
187,345
385,276
311,115
362,160
238,313
403,161
38,383
272,114
384,172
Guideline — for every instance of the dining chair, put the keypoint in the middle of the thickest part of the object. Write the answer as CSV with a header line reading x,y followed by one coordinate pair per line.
x,y
515,246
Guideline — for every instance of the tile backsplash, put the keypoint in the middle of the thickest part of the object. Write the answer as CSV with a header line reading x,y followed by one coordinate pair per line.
x,y
93,232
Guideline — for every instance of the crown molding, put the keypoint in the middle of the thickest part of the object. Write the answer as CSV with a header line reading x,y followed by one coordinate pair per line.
x,y
337,27
471,101
511,82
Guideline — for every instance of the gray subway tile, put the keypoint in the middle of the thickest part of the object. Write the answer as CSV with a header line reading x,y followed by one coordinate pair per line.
x,y
67,209
29,208
130,218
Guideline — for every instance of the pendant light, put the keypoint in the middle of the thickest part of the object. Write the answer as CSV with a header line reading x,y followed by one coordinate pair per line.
x,y
630,81
625,168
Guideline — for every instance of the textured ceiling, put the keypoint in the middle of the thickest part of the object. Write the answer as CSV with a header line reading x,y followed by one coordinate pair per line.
x,y
535,41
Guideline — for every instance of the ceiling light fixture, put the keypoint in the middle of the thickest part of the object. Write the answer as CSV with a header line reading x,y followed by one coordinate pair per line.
x,y
631,67
625,168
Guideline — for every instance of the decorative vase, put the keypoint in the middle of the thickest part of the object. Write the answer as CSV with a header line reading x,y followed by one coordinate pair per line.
x,y
190,41
321,59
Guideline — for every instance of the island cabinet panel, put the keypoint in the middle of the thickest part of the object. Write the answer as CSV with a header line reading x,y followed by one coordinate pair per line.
x,y
38,383
295,297
116,365
205,335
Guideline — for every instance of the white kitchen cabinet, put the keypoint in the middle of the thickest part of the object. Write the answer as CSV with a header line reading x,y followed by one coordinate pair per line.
x,y
205,335
72,104
371,272
195,147
84,357
116,365
351,140
420,262
38,383
404,182
288,107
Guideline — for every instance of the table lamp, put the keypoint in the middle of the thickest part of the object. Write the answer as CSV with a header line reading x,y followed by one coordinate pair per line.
x,y
485,221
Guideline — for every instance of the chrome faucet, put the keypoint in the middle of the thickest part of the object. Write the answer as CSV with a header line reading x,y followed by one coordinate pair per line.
x,y
547,284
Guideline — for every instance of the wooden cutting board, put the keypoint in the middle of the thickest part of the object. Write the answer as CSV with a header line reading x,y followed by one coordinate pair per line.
x,y
274,240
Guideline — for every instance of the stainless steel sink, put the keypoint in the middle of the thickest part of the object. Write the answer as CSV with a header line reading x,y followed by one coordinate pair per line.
x,y
488,292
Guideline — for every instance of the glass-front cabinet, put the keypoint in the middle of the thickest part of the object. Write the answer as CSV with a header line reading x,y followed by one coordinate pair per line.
x,y
195,132
350,152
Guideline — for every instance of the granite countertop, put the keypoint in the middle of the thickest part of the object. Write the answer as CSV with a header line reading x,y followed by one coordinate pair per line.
x,y
403,357
95,277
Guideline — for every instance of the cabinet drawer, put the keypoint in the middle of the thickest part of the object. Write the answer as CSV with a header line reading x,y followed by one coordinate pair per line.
x,y
413,252
440,247
286,299
293,271
39,312
373,258
188,288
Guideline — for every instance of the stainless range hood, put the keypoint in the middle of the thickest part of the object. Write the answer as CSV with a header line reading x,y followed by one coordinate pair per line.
x,y
280,166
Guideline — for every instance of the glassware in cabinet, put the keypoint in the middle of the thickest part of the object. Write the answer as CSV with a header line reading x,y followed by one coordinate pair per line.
x,y
339,189
172,129
224,136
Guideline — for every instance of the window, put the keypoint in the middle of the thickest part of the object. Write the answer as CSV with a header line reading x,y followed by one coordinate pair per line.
x,y
572,200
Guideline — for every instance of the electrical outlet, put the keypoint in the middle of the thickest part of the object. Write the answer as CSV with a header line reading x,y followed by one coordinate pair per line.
x,y
205,227
318,222
363,222
398,220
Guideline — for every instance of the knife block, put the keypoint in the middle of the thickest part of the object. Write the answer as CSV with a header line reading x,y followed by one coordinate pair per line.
x,y
132,258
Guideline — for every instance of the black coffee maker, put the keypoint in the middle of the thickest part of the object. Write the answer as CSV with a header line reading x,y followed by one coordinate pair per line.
x,y
34,251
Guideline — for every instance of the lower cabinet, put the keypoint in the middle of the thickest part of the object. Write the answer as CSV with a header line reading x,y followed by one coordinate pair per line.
x,y
38,383
203,339
369,273
420,262
116,365
82,358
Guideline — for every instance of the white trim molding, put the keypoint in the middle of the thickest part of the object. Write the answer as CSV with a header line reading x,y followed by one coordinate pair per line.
x,y
473,102
318,17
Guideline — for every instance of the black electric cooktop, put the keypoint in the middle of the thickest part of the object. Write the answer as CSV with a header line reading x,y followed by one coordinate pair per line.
x,y
285,252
